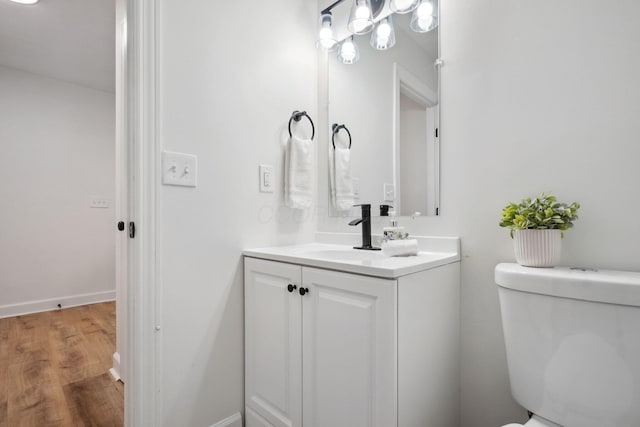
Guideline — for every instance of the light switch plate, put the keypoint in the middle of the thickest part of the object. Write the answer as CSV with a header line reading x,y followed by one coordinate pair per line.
x,y
389,192
179,169
266,178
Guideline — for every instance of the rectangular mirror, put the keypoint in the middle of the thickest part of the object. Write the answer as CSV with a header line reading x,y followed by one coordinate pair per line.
x,y
388,101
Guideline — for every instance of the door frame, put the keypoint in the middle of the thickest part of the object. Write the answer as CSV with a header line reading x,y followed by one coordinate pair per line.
x,y
405,82
140,139
121,194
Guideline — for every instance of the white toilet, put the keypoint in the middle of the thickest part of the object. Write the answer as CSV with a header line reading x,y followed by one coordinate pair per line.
x,y
573,344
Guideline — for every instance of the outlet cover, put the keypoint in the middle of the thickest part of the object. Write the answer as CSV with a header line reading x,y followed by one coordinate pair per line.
x,y
98,202
389,192
266,178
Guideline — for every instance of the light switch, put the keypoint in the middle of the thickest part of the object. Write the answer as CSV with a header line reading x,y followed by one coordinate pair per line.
x,y
266,178
389,192
179,169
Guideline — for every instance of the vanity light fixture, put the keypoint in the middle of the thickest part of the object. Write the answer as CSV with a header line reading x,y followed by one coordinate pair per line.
x,y
326,38
25,1
425,17
384,36
362,21
349,53
361,17
403,6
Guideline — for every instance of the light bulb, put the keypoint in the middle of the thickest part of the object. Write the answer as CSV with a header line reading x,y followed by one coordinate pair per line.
x,y
424,23
384,36
349,53
361,21
361,17
325,33
403,6
425,17
384,30
326,39
424,10
362,12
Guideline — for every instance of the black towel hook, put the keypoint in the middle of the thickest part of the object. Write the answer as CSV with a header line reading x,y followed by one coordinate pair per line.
x,y
297,116
336,128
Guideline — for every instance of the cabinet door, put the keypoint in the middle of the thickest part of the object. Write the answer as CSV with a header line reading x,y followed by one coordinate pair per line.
x,y
349,350
273,334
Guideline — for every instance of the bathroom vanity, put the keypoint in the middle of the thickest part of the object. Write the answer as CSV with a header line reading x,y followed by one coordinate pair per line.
x,y
340,337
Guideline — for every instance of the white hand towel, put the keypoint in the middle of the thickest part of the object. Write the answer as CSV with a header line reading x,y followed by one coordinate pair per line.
x,y
298,171
404,247
340,177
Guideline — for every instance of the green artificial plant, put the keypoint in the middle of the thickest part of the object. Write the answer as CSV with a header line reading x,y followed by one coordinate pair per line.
x,y
542,213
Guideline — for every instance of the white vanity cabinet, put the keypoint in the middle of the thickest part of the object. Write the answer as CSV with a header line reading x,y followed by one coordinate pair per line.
x,y
273,344
348,349
326,348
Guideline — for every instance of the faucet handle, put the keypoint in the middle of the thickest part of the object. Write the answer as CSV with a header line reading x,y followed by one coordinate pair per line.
x,y
384,210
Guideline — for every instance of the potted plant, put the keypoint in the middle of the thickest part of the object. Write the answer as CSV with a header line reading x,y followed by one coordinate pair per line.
x,y
537,227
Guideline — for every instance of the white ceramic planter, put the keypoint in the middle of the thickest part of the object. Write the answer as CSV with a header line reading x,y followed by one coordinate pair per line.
x,y
537,248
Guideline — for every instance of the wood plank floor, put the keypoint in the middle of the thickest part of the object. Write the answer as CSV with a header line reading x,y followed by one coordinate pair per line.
x,y
54,369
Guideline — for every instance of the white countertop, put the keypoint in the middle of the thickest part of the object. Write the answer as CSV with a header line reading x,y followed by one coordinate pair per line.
x,y
371,263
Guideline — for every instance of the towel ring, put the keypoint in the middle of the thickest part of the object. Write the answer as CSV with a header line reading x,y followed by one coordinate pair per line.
x,y
297,116
336,128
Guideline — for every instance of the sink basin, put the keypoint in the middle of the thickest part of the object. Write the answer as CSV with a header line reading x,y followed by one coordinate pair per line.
x,y
346,258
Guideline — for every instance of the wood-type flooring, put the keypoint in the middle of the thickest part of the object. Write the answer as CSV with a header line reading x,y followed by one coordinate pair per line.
x,y
54,369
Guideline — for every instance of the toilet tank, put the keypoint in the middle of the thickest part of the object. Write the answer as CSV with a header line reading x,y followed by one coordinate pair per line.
x,y
573,343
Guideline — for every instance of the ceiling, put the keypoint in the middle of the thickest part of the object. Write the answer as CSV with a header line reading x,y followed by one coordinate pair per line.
x,y
70,40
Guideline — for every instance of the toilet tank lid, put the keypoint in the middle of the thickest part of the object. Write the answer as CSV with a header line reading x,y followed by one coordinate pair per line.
x,y
606,286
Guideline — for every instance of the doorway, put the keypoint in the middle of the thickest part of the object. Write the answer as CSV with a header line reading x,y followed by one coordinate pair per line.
x,y
58,131
416,149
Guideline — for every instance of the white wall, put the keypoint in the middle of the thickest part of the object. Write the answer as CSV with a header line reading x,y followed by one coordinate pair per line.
x,y
231,74
57,144
536,96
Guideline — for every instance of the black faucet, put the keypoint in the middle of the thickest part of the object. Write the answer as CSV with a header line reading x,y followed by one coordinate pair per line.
x,y
366,228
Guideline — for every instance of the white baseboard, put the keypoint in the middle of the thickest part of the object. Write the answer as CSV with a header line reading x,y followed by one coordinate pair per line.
x,y
115,370
114,374
234,420
52,303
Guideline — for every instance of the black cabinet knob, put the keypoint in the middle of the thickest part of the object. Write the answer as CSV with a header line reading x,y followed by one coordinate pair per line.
x,y
120,225
304,291
291,287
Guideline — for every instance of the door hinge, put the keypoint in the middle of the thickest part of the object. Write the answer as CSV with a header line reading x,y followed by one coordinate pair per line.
x,y
132,230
